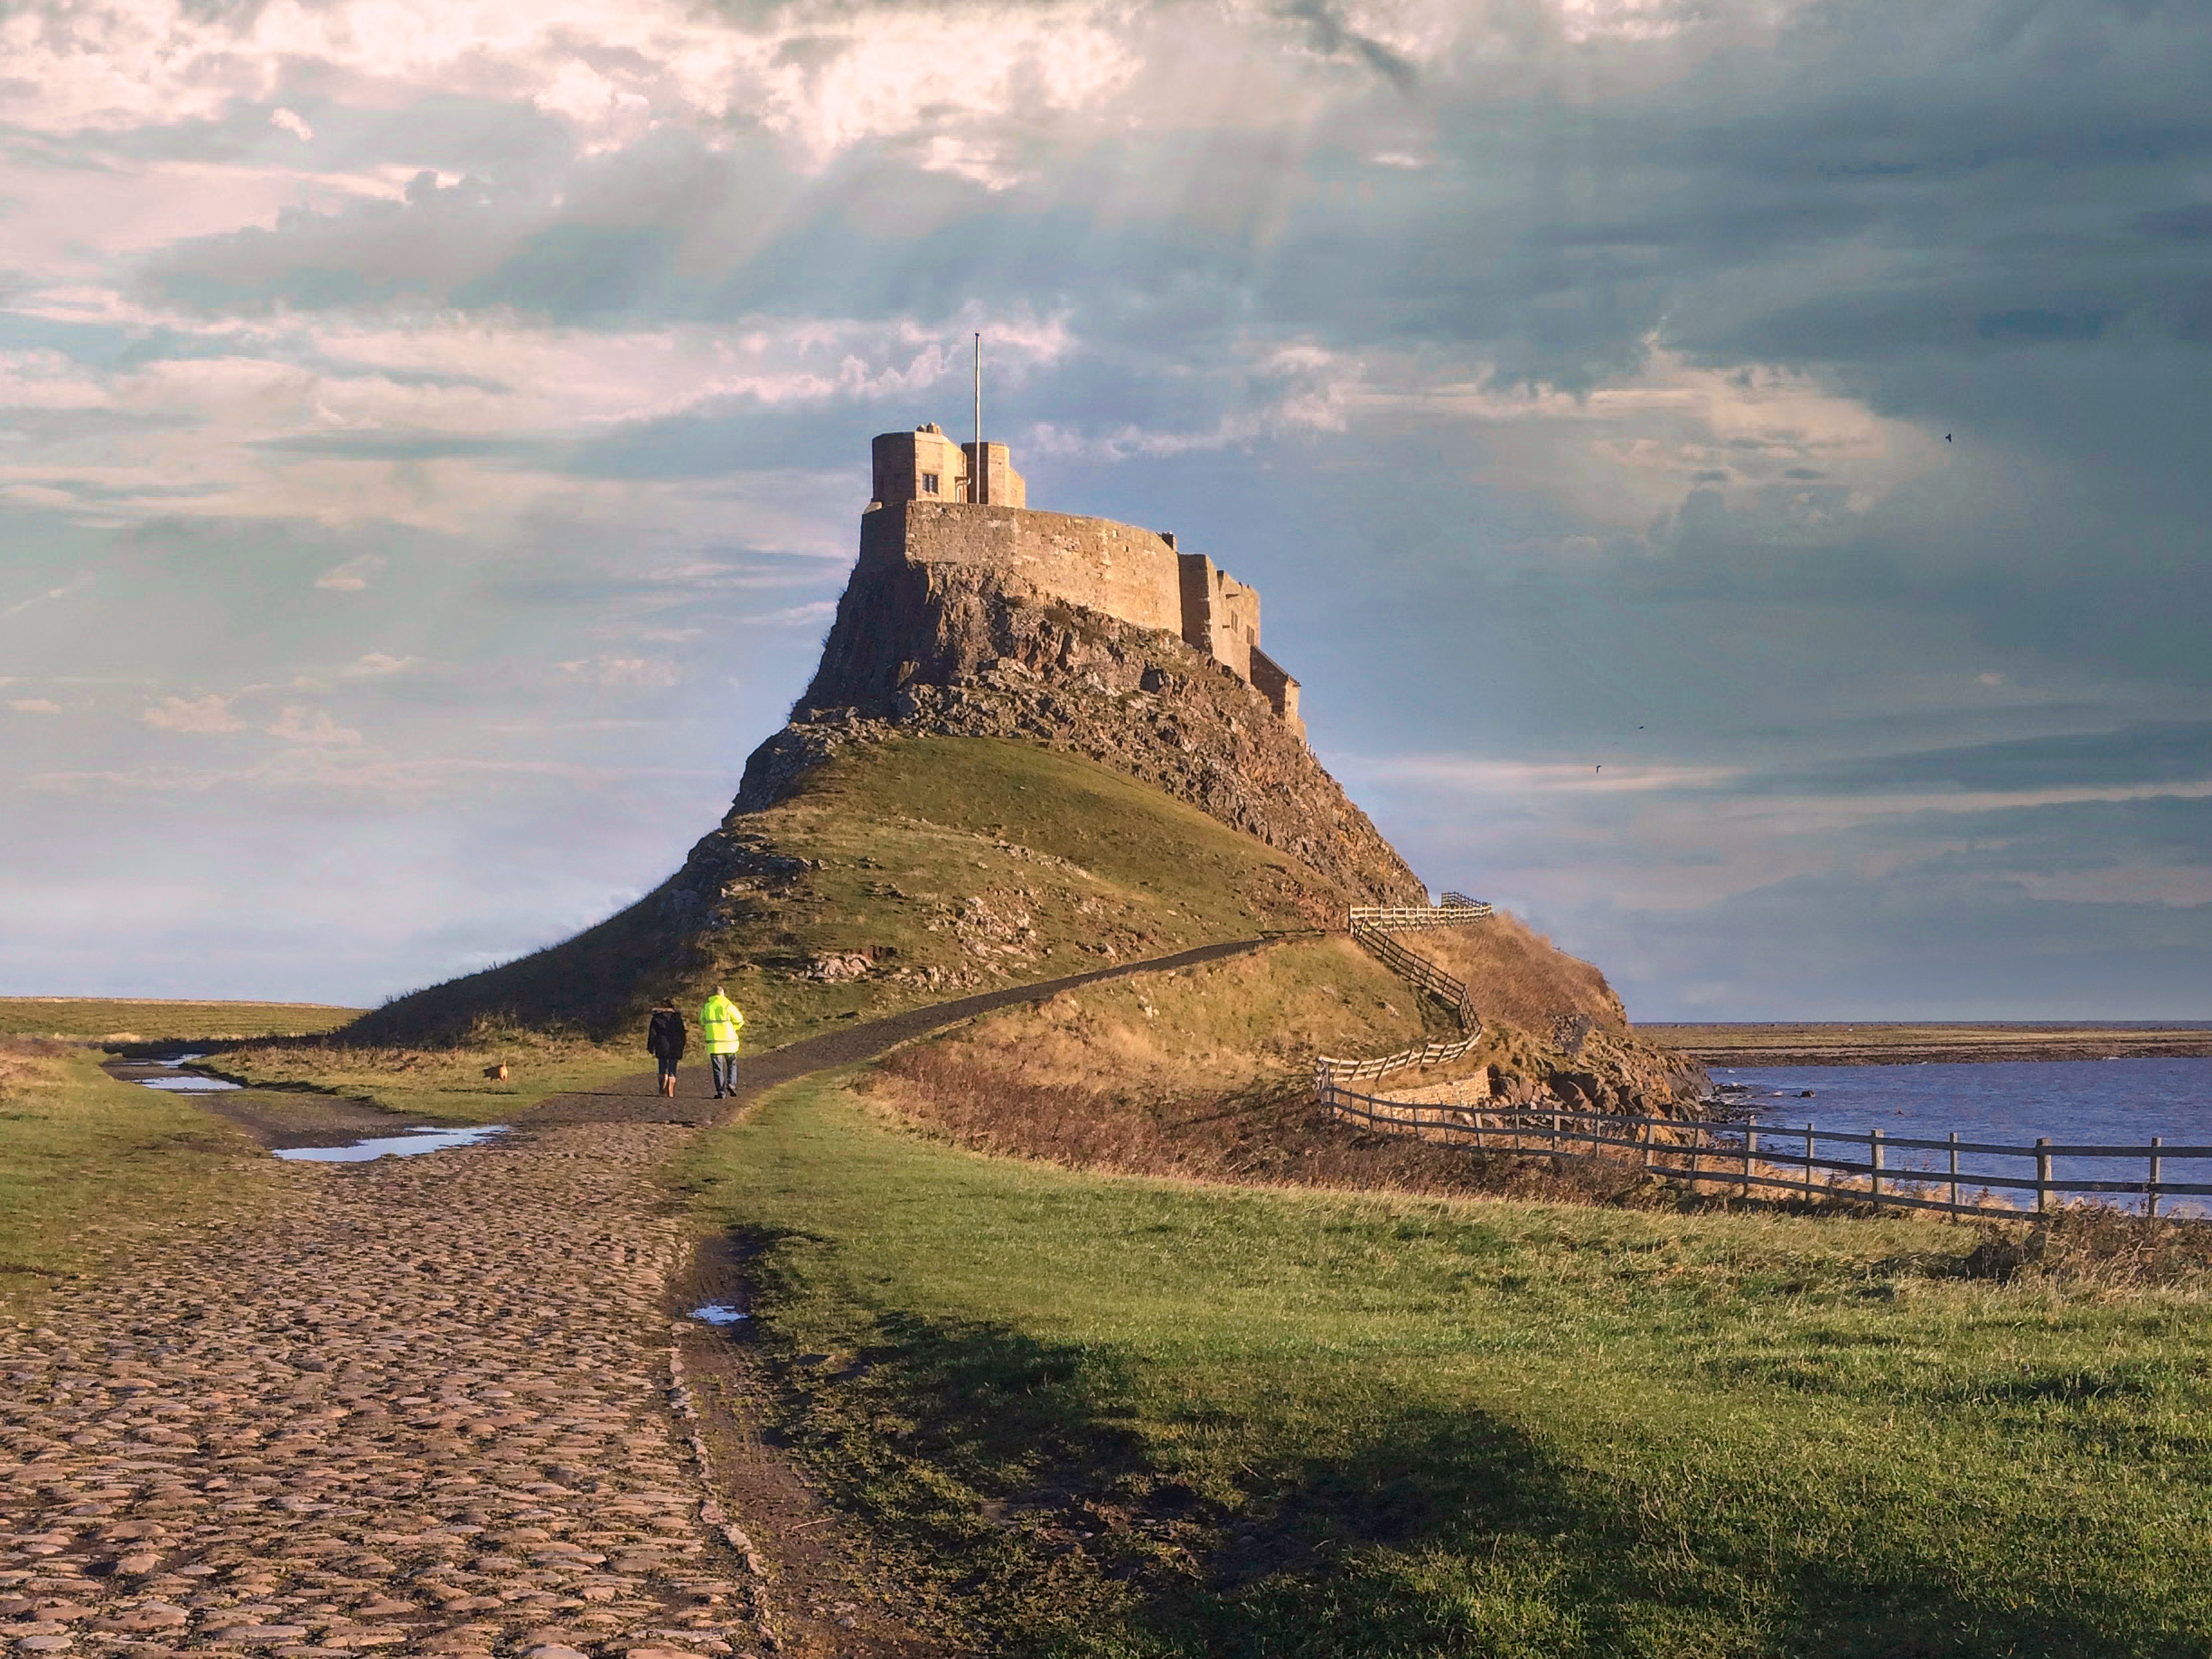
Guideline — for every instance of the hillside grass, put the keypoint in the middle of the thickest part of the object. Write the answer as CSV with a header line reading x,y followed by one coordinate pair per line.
x,y
124,1020
962,863
88,1166
1514,974
1119,1416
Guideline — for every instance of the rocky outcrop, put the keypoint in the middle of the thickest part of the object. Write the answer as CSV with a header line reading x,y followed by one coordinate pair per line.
x,y
971,653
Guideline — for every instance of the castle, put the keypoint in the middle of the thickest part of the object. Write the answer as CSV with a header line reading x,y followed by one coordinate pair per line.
x,y
923,514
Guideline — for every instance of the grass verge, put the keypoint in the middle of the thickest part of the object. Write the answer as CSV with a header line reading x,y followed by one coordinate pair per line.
x,y
90,1165
448,1083
1125,1417
122,1020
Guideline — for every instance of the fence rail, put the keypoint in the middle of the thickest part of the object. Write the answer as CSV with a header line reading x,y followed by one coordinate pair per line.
x,y
1371,926
1452,909
1786,1161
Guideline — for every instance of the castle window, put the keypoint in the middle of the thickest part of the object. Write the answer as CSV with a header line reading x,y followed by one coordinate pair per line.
x,y
929,483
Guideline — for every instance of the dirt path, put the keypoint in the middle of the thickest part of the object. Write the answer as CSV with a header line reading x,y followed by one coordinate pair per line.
x,y
436,1405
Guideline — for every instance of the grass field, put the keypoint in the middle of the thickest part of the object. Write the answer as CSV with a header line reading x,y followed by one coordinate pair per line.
x,y
90,1165
440,1082
1125,1417
94,1018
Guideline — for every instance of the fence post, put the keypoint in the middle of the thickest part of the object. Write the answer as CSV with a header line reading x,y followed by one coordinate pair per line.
x,y
1750,1146
1650,1128
1808,1178
2158,1174
1874,1166
1697,1145
2042,1174
1955,1174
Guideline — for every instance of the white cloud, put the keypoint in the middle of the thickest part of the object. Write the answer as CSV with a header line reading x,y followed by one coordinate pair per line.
x,y
1547,777
794,616
1783,442
375,665
34,705
289,121
352,575
313,728
207,715
641,671
76,584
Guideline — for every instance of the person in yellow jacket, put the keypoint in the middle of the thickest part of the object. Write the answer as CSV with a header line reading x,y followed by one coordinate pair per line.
x,y
719,1022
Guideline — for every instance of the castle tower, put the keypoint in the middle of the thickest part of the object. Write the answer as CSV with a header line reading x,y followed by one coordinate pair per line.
x,y
921,466
1002,486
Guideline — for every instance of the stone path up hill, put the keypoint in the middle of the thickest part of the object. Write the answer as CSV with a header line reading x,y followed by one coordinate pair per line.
x,y
960,652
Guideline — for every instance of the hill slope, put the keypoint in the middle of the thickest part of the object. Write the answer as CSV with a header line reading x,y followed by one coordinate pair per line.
x,y
966,652
896,872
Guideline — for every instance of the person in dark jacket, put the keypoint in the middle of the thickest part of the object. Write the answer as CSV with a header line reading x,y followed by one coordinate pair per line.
x,y
664,1040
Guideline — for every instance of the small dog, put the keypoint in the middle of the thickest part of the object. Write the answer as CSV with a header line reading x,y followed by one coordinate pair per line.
x,y
497,1073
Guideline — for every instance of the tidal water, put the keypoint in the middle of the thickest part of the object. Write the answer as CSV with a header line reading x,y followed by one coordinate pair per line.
x,y
2070,1103
413,1142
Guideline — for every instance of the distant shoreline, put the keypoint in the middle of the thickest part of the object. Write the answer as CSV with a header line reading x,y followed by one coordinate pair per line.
x,y
1928,1042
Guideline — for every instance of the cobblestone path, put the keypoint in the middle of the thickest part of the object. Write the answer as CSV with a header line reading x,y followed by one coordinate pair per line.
x,y
427,1409
433,1405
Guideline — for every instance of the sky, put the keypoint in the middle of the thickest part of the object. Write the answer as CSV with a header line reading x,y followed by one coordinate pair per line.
x,y
1732,477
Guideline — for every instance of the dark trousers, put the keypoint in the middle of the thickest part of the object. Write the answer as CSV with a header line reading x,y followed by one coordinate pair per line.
x,y
668,1067
724,1068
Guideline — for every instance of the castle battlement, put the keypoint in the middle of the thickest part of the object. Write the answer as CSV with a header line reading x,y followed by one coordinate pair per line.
x,y
921,514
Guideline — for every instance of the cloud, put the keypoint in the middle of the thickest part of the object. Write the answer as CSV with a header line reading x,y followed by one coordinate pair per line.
x,y
34,705
645,672
352,575
375,665
313,728
209,714
287,121
76,584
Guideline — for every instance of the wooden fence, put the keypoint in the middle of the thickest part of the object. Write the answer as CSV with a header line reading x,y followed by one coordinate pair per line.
x,y
1371,926
1784,1162
1448,912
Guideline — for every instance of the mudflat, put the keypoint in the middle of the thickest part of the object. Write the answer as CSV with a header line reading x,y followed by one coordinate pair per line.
x,y
1813,1043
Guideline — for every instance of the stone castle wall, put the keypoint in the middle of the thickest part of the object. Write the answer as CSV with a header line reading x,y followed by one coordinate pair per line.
x,y
921,518
1128,573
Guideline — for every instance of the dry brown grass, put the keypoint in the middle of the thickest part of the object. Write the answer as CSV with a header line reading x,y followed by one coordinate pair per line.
x,y
1207,1074
1266,1134
27,1061
2089,1247
1518,975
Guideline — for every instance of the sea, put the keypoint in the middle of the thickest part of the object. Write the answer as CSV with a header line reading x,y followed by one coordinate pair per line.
x,y
2117,1103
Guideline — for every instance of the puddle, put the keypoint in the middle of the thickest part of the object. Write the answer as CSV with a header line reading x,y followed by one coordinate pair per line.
x,y
186,1085
395,1146
719,1313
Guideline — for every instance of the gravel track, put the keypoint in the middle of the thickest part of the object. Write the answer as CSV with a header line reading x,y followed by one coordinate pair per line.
x,y
431,1405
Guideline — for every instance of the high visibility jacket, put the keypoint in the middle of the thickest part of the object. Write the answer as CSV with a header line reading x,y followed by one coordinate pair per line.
x,y
720,1022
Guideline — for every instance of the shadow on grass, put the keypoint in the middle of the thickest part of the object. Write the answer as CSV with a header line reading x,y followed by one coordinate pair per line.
x,y
1023,1475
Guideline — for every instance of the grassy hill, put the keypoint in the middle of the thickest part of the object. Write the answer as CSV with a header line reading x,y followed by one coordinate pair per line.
x,y
898,874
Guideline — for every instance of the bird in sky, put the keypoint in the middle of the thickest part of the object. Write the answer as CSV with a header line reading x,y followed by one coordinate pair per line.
x,y
1947,437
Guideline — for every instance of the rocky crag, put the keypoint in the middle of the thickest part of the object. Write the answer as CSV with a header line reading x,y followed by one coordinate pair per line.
x,y
969,652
